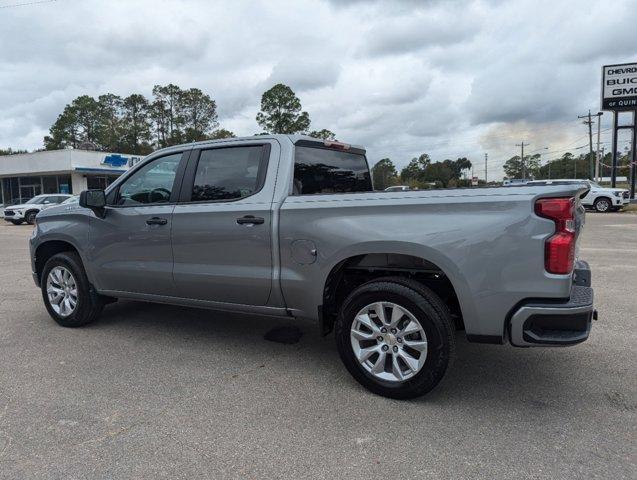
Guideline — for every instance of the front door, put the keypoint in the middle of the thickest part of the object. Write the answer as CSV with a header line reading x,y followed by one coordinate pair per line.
x,y
130,248
222,227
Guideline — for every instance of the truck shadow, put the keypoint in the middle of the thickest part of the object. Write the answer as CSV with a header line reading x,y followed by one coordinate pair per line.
x,y
499,377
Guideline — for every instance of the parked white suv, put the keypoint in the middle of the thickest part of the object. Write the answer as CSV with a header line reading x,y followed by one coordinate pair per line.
x,y
602,199
26,212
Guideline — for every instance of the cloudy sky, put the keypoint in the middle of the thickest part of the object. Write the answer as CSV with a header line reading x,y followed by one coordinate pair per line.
x,y
450,78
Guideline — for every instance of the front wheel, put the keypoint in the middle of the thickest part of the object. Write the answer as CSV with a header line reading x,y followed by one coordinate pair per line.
x,y
67,293
30,217
396,337
602,205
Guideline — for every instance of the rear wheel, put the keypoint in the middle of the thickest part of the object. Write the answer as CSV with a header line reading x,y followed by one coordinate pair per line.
x,y
396,337
602,205
66,291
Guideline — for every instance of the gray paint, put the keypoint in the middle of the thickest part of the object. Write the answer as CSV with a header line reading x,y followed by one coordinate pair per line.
x,y
487,241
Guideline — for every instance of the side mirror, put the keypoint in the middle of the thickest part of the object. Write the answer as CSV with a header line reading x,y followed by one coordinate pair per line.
x,y
95,200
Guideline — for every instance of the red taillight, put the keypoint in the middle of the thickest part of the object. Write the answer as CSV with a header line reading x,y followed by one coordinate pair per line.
x,y
559,253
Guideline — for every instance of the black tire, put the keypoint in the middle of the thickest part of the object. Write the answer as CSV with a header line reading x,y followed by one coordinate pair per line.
x,y
433,316
29,217
603,205
16,222
89,303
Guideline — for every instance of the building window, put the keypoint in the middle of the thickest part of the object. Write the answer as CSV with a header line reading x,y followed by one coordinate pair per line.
x,y
50,184
64,184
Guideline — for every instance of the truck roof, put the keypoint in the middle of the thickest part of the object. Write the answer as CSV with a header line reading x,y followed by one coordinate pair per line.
x,y
279,137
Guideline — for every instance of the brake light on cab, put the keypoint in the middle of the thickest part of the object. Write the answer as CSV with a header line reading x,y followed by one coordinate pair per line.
x,y
559,249
336,145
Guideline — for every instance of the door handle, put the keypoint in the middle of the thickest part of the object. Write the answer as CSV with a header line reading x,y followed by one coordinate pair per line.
x,y
250,220
156,221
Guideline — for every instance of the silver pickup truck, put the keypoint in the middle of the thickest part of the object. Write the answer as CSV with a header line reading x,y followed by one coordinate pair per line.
x,y
290,226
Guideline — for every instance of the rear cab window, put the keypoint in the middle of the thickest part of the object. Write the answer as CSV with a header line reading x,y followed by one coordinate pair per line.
x,y
322,170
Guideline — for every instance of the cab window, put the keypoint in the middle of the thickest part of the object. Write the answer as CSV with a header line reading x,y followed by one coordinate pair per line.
x,y
228,173
151,184
321,170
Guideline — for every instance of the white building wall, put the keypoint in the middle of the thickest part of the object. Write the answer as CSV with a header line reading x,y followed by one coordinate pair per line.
x,y
78,182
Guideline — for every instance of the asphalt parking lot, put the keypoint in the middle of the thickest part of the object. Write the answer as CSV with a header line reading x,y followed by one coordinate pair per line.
x,y
154,391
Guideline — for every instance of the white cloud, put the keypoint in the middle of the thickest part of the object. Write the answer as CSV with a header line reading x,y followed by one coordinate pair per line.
x,y
451,78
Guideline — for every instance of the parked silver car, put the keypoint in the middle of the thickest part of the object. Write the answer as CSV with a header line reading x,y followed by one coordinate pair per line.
x,y
290,226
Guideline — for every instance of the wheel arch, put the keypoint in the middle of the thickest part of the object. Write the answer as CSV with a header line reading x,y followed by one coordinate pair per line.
x,y
31,210
365,263
45,250
603,197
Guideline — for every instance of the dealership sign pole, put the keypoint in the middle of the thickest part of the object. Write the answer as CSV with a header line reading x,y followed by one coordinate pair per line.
x,y
619,94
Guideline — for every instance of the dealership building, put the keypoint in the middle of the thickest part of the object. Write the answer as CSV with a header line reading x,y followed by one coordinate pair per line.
x,y
23,176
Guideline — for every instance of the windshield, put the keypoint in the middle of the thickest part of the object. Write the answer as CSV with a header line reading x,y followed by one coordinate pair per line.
x,y
38,199
594,184
73,199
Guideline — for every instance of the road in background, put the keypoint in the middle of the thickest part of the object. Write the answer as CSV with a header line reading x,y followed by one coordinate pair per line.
x,y
153,391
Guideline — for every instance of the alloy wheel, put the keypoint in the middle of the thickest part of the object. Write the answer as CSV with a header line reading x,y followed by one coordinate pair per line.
x,y
388,341
61,290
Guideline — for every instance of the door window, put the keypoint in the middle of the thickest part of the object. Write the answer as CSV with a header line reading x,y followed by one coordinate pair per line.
x,y
228,173
151,184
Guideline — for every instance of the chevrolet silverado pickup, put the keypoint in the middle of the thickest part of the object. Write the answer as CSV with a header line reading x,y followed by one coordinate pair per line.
x,y
284,225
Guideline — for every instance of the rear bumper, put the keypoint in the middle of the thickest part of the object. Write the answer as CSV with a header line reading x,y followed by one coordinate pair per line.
x,y
550,323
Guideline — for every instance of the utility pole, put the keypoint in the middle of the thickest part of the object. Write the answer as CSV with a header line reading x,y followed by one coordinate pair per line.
x,y
589,122
522,145
548,162
599,131
486,179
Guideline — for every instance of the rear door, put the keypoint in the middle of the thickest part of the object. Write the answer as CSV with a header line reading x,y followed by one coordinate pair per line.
x,y
130,248
222,226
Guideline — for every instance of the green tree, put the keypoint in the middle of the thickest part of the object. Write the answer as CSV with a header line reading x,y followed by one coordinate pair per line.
x,y
384,174
199,114
109,133
10,151
439,172
415,169
513,166
78,123
221,133
324,133
169,128
136,125
422,171
281,111
567,166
